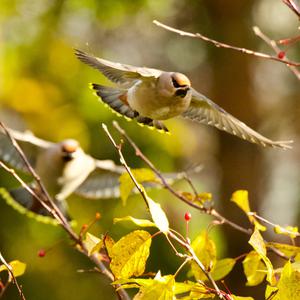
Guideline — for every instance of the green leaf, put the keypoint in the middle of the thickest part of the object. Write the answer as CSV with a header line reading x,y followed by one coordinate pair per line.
x,y
126,183
92,243
288,285
258,244
290,231
18,267
205,250
254,268
158,216
241,199
129,254
139,222
222,268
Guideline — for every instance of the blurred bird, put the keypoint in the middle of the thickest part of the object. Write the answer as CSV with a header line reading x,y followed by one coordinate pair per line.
x,y
150,95
64,169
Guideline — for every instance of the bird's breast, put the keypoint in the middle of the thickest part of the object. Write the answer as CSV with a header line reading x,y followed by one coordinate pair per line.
x,y
148,102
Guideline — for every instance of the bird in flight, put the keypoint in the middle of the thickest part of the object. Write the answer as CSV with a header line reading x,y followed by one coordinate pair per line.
x,y
150,96
64,168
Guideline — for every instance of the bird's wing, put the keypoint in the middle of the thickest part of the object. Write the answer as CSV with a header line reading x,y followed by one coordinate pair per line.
x,y
205,111
29,144
103,182
117,72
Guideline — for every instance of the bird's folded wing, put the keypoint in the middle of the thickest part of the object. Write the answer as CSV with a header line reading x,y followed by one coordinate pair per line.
x,y
29,144
116,72
205,111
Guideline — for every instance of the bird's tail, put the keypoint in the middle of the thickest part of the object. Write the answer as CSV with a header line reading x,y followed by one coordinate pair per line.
x,y
116,99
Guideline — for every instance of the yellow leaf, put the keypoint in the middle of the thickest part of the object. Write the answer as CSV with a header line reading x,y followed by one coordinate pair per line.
x,y
199,199
222,268
126,183
92,243
254,268
288,250
18,267
108,244
241,199
129,254
257,242
241,298
139,222
288,230
158,216
288,285
205,250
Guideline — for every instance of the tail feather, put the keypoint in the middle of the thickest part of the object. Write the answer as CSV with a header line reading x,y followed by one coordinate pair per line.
x,y
115,98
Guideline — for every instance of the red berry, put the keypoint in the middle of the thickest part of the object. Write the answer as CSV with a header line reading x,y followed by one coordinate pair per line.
x,y
41,253
281,54
187,216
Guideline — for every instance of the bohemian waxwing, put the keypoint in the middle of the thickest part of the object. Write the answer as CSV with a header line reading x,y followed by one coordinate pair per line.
x,y
150,95
64,169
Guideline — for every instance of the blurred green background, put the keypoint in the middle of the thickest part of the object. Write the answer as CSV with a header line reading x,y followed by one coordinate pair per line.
x,y
44,88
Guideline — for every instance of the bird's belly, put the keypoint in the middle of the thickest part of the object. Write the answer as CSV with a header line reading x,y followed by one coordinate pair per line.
x,y
148,103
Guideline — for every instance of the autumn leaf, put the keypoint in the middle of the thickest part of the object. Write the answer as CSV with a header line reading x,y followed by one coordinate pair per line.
x,y
257,242
92,243
139,222
18,267
254,268
222,268
129,254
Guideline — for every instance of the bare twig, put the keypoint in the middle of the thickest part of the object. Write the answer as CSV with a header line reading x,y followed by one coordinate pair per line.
x,y
275,47
293,6
227,46
45,200
11,275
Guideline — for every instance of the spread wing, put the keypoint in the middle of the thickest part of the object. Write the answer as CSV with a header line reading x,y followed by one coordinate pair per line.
x,y
117,72
103,182
30,144
207,112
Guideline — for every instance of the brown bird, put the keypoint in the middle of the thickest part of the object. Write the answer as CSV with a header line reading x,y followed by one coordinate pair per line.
x,y
151,95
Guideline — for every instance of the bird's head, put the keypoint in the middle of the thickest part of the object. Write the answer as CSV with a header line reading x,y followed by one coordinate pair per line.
x,y
174,84
69,148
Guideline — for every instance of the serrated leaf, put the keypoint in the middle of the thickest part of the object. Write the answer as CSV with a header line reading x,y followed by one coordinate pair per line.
x,y
222,268
241,199
18,267
127,185
257,242
205,250
254,268
139,222
129,255
158,216
288,285
290,231
92,243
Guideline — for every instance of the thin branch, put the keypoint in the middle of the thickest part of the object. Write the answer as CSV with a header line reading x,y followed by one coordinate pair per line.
x,y
9,268
183,242
181,197
227,46
45,199
293,6
275,47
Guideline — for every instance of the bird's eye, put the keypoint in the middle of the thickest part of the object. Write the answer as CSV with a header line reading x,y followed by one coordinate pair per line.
x,y
175,83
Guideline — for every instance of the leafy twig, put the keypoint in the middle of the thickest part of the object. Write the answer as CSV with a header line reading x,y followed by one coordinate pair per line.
x,y
45,199
223,45
11,275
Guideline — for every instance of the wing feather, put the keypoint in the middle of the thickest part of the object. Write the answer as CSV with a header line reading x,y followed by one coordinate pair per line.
x,y
203,110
